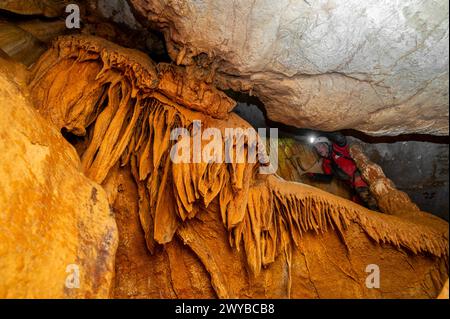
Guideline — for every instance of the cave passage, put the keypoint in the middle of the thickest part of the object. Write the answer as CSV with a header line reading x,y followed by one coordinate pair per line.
x,y
145,159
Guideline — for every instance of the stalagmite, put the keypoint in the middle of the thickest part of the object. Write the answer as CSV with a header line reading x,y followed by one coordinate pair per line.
x,y
126,107
390,200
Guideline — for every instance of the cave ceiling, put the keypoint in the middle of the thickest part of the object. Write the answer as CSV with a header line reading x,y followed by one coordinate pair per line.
x,y
380,67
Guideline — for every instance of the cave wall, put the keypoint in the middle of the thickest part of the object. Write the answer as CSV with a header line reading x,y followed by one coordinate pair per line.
x,y
118,11
418,168
58,236
184,267
254,235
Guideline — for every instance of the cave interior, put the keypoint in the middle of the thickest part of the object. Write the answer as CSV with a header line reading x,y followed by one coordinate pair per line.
x,y
115,87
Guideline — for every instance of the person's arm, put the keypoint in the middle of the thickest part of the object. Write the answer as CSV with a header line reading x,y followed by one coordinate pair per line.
x,y
327,174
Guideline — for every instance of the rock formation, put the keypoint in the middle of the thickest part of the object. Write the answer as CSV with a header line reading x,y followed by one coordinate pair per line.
x,y
54,222
376,66
240,233
47,8
390,200
444,292
123,177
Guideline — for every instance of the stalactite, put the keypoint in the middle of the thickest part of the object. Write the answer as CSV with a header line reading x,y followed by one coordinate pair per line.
x,y
127,108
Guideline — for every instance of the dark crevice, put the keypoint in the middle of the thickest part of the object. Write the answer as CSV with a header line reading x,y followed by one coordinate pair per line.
x,y
70,137
18,18
160,55
287,130
398,138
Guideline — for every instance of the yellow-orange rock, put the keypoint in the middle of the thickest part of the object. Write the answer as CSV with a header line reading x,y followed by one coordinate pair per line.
x,y
199,262
54,222
20,44
48,8
245,234
444,292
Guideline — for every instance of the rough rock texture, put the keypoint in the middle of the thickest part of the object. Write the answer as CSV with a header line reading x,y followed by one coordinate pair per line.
x,y
418,168
25,41
322,266
173,271
51,215
444,292
391,200
48,8
376,66
118,11
19,44
247,234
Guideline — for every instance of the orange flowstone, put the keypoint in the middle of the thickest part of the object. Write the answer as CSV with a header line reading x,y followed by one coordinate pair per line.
x,y
254,235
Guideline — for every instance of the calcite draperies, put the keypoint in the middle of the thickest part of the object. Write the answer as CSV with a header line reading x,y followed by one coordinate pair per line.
x,y
126,106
